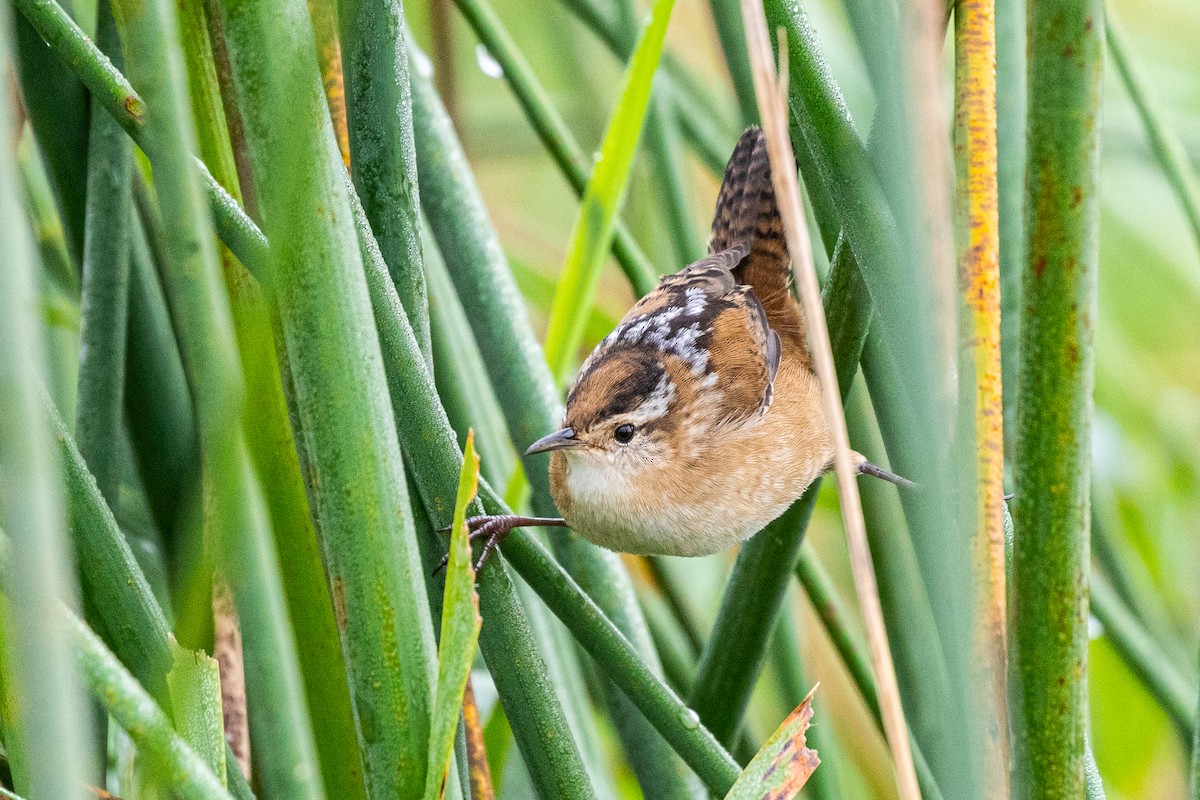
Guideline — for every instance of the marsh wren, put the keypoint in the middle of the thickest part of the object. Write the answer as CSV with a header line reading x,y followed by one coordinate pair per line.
x,y
698,420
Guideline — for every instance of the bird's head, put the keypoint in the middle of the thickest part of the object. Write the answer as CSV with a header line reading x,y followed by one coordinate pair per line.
x,y
625,413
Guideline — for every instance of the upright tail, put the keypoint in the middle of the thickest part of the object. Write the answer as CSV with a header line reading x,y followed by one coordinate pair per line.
x,y
747,212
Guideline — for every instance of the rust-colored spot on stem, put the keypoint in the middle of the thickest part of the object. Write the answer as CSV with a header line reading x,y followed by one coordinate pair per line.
x,y
339,603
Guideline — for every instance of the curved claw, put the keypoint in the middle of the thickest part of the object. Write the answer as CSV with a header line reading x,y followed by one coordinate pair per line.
x,y
493,529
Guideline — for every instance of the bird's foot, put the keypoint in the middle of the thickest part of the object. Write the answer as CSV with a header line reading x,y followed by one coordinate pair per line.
x,y
492,530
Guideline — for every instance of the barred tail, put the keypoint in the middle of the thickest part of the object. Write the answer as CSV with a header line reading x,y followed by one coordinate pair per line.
x,y
747,212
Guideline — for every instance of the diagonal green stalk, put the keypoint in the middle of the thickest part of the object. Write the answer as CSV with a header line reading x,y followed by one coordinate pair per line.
x,y
57,105
1164,141
1054,408
552,130
662,145
462,387
45,722
105,294
113,584
383,158
158,407
1143,655
57,263
135,711
341,394
150,32
727,17
701,118
59,278
669,175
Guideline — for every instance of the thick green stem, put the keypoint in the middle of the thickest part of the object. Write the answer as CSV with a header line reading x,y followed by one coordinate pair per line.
x,y
272,446
383,158
105,295
1054,410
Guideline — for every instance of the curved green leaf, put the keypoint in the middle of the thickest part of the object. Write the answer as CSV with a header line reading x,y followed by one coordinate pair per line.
x,y
460,629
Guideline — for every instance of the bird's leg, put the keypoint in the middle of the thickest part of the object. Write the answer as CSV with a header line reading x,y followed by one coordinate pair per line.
x,y
867,468
493,529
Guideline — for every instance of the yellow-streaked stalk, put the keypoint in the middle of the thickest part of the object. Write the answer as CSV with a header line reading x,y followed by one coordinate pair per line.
x,y
979,276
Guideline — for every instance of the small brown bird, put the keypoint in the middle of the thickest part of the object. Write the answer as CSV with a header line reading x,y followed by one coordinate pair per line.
x,y
698,420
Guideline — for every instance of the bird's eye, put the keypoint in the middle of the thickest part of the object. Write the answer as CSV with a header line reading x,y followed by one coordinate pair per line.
x,y
624,433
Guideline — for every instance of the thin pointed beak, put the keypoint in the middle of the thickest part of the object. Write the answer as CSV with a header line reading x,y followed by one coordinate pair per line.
x,y
559,440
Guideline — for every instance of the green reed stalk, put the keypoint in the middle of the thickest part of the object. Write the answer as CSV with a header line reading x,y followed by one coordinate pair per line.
x,y
383,159
288,768
104,304
341,394
1054,410
272,445
46,724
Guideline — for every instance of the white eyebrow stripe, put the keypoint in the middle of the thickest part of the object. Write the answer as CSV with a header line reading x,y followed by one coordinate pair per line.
x,y
657,404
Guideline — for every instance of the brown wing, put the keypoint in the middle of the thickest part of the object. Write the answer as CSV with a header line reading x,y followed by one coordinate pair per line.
x,y
745,375
747,213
